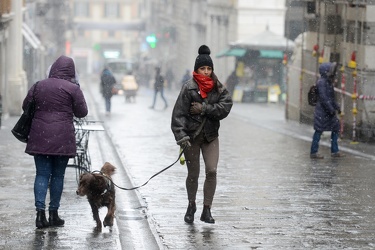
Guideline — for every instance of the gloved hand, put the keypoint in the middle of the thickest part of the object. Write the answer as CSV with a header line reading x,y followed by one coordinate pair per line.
x,y
196,108
339,111
184,142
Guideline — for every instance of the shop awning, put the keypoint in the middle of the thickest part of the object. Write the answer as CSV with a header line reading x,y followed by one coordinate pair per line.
x,y
232,52
271,54
31,38
238,52
265,40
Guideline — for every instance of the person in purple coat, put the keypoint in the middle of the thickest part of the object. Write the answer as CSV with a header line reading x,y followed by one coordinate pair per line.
x,y
325,114
51,141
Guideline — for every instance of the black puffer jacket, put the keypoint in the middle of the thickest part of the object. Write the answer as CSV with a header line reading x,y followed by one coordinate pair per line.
x,y
219,104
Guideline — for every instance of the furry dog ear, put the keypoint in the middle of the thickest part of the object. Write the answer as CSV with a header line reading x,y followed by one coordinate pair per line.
x,y
108,169
81,176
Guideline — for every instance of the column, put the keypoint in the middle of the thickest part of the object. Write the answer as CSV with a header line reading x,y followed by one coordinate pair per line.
x,y
16,75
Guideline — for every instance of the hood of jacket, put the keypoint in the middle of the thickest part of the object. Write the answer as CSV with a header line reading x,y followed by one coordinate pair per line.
x,y
63,68
324,69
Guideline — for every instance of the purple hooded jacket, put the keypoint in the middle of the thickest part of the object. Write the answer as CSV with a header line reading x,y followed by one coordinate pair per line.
x,y
58,99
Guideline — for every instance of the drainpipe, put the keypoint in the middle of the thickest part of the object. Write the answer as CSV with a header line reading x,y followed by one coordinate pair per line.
x,y
354,74
1,109
343,75
318,40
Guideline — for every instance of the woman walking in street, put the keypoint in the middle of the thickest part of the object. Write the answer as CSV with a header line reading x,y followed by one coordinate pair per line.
x,y
203,101
159,87
107,82
325,116
52,139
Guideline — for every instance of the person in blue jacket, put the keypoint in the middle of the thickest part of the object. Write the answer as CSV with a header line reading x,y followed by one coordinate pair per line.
x,y
325,115
107,81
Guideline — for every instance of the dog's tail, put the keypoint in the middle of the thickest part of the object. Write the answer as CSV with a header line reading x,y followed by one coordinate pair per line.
x,y
108,169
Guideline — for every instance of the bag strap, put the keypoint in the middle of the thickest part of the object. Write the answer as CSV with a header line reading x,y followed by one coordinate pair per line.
x,y
34,90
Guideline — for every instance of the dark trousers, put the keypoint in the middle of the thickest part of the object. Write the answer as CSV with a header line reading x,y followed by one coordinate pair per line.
x,y
107,101
210,153
316,139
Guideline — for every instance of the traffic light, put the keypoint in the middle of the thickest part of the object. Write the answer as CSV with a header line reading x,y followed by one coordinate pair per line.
x,y
151,40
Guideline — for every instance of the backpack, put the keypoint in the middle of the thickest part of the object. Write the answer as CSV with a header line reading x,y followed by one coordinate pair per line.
x,y
312,96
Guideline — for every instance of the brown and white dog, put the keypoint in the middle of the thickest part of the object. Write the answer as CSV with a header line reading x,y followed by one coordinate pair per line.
x,y
100,192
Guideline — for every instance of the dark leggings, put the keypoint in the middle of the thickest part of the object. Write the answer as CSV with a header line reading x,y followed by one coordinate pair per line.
x,y
210,153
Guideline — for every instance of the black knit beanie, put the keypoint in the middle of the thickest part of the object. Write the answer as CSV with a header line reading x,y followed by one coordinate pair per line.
x,y
203,59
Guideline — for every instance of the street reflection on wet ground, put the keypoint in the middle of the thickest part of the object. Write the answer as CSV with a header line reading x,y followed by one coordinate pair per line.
x,y
270,194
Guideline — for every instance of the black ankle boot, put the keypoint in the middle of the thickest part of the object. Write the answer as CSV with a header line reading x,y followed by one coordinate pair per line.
x,y
189,216
55,220
41,220
206,215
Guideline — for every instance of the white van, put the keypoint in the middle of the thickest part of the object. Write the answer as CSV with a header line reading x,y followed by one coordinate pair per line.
x,y
120,68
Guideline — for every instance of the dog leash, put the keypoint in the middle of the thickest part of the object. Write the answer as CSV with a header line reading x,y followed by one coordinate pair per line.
x,y
161,171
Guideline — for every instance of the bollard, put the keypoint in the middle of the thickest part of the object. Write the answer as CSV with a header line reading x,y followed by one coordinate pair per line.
x,y
354,110
343,82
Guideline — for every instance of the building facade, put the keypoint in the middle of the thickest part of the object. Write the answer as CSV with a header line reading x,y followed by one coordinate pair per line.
x,y
341,32
13,83
182,26
102,30
5,18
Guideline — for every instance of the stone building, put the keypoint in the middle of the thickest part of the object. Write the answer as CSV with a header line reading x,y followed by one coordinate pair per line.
x,y
5,19
341,32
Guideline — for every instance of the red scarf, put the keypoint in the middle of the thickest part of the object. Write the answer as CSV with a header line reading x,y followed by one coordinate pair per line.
x,y
205,83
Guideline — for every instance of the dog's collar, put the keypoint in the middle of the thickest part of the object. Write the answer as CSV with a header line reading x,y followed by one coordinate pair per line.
x,y
109,187
104,192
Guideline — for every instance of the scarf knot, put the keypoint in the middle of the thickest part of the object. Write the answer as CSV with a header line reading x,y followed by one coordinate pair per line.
x,y
205,83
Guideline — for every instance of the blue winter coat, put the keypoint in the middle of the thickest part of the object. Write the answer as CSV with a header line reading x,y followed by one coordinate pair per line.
x,y
58,99
107,81
325,118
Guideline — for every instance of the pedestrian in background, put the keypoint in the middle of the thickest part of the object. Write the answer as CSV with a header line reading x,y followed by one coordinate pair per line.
x,y
52,138
203,101
169,76
107,83
325,114
232,82
186,77
159,87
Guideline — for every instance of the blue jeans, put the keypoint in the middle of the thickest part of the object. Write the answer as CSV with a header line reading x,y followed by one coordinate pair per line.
x,y
316,139
162,97
50,171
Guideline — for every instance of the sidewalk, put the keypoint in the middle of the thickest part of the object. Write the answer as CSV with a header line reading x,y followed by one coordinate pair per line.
x,y
17,211
275,117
